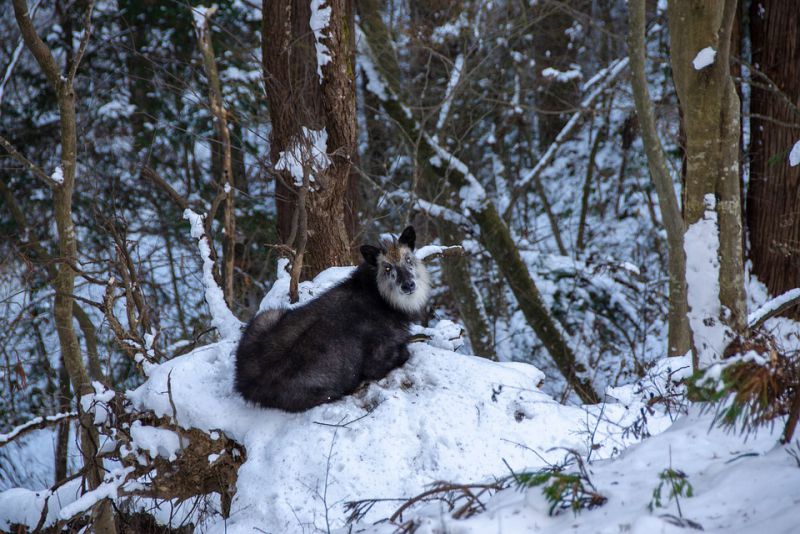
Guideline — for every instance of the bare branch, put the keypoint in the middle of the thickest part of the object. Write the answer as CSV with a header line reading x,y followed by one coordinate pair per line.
x,y
87,34
38,48
151,175
31,166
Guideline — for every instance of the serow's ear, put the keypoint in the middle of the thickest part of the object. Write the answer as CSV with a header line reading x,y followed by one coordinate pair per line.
x,y
370,254
408,237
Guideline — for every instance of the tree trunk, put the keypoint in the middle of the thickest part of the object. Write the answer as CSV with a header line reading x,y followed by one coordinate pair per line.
x,y
678,337
226,184
710,108
555,99
64,283
773,198
306,99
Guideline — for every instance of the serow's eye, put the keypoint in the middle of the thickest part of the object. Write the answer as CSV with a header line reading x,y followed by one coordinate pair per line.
x,y
408,260
387,269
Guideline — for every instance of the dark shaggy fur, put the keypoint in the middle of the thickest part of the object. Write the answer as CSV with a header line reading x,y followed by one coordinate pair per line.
x,y
297,359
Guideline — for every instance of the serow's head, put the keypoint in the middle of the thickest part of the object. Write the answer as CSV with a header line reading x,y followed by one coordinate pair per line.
x,y
402,279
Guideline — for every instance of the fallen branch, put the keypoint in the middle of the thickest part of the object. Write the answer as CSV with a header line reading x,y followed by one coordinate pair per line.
x,y
773,307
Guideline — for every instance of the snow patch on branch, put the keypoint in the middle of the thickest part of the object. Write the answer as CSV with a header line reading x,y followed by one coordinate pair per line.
x,y
107,490
222,319
473,195
320,19
769,307
563,76
701,244
156,441
455,77
58,175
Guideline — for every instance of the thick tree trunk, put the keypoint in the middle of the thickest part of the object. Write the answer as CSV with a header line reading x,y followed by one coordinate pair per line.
x,y
555,99
710,108
679,339
307,99
773,198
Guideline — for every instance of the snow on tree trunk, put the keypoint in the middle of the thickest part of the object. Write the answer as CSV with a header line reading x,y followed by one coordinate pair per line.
x,y
701,243
710,108
308,54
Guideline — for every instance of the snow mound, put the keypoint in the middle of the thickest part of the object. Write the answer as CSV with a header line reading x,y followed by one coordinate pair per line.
x,y
443,416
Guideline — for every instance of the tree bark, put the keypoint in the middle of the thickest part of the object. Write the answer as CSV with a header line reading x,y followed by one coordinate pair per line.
x,y
773,198
710,108
302,101
225,183
552,50
64,283
678,337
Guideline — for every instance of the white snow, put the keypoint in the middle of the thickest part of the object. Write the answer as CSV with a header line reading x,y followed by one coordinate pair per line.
x,y
309,151
455,76
375,83
704,58
701,244
794,155
200,13
738,488
473,195
574,73
446,416
222,319
772,305
108,489
156,441
443,416
320,19
58,175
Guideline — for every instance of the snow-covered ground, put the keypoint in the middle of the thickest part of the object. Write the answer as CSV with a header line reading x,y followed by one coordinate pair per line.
x,y
452,417
738,486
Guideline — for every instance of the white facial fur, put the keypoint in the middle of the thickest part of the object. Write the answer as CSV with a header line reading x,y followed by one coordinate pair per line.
x,y
390,290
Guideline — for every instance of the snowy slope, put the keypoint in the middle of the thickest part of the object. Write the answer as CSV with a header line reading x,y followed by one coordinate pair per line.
x,y
739,487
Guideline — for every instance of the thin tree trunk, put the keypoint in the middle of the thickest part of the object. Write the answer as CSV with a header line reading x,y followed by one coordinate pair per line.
x,y
773,198
64,283
678,337
226,182
62,435
456,270
710,108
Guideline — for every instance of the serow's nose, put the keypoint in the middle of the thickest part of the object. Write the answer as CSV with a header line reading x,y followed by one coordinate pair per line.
x,y
408,286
